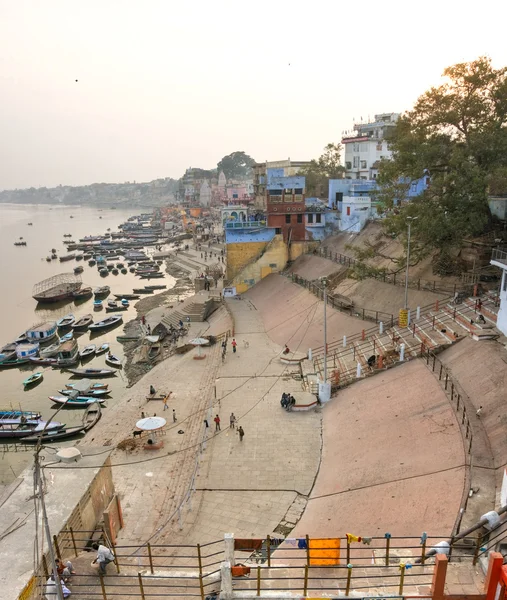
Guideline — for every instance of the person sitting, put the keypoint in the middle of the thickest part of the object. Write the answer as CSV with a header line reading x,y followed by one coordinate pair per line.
x,y
481,319
152,390
286,349
283,401
372,360
180,323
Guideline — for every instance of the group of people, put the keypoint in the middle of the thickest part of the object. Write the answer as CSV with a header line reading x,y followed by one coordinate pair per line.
x,y
287,401
232,424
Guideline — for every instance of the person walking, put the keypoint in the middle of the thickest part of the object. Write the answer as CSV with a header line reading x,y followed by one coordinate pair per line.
x,y
234,345
104,557
174,416
232,420
166,398
241,433
217,423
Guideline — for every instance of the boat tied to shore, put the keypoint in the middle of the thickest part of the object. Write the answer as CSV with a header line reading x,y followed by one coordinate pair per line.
x,y
58,287
106,323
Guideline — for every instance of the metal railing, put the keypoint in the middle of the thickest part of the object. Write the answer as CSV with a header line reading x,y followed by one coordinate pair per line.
x,y
245,224
499,255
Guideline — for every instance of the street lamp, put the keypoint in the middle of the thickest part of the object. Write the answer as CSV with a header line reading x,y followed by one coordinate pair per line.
x,y
325,387
409,219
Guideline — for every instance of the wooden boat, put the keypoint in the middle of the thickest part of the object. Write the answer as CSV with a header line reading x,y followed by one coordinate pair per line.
x,y
103,272
124,271
92,415
92,372
43,361
87,351
93,386
113,360
20,243
101,349
142,291
85,292
50,351
56,288
48,258
67,337
77,401
112,304
34,378
110,309
53,436
79,269
79,256
8,413
66,321
153,276
105,323
97,304
101,291
22,427
66,257
13,362
114,271
90,393
127,296
92,262
155,287
83,323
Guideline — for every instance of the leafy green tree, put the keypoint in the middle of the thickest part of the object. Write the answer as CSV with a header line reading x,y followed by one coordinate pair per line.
x,y
237,165
321,170
456,135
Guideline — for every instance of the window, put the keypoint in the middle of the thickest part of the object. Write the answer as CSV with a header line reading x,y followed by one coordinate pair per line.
x,y
300,218
348,211
356,147
310,218
363,164
356,162
348,165
318,218
339,197
278,230
287,218
298,191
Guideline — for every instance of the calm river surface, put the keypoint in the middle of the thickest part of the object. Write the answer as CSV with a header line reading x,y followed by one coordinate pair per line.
x,y
20,268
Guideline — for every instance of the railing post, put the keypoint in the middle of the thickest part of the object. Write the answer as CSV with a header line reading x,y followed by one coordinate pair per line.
x,y
268,550
388,545
349,578
305,588
446,381
199,559
141,587
57,547
348,550
104,596
258,583
423,551
402,578
73,541
45,566
307,549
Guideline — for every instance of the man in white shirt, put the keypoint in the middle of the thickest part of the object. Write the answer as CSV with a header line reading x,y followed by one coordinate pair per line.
x,y
104,556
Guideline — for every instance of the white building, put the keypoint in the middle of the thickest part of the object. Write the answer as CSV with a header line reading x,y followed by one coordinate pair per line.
x,y
356,211
499,259
365,149
205,194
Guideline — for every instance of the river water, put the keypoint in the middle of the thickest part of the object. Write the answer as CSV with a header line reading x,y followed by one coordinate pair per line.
x,y
20,268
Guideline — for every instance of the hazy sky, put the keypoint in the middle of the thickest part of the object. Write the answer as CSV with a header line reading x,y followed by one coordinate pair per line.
x,y
165,84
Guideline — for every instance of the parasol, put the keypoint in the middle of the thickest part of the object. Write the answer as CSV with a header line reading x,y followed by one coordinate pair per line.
x,y
151,423
199,342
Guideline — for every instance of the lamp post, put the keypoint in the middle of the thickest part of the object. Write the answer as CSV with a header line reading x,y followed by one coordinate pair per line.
x,y
409,219
324,386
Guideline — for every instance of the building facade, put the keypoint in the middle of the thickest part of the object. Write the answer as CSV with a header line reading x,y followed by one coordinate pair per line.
x,y
285,168
368,146
285,205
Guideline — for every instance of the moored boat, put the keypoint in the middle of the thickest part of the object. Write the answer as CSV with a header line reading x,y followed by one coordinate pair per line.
x,y
90,393
92,372
42,332
83,323
105,323
142,291
75,401
23,427
34,378
155,287
85,292
97,304
114,361
88,351
43,361
66,321
127,296
102,348
67,337
50,351
67,257
101,291
56,288
10,413
91,385
78,269
52,436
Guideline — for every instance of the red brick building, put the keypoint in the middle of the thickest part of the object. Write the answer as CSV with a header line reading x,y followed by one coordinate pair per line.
x,y
285,202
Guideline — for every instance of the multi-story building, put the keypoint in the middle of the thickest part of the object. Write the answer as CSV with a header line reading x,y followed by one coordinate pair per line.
x,y
284,168
369,145
285,201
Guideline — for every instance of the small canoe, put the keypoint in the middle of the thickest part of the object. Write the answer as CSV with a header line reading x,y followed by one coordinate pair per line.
x,y
51,436
88,351
34,378
102,291
92,415
155,287
113,360
112,304
83,293
67,337
13,362
77,401
101,349
110,309
90,393
79,269
43,361
50,351
154,351
66,321
92,386
92,372
127,296
104,324
142,291
83,323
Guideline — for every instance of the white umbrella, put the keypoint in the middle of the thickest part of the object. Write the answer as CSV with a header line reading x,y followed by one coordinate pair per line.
x,y
151,423
199,342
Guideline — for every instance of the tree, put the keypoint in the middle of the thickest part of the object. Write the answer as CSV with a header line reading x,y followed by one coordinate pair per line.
x,y
456,135
320,171
237,165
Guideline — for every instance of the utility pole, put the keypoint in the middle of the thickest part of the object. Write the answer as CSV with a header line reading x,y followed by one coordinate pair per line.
x,y
324,284
409,219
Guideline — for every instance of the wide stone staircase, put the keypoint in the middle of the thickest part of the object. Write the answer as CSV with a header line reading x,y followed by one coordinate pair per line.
x,y
197,308
377,348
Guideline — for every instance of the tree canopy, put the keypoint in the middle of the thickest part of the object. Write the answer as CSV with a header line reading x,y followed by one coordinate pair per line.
x,y
456,135
237,165
322,169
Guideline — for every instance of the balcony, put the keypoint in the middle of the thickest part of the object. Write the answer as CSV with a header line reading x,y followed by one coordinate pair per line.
x,y
245,224
499,257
